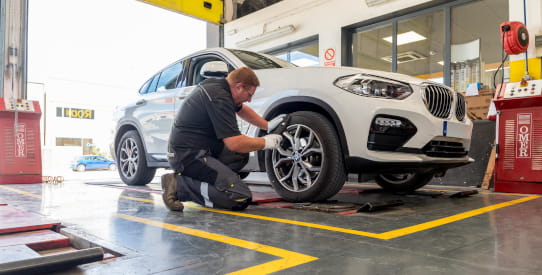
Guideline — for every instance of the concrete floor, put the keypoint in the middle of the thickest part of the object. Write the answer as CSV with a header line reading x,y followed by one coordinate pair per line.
x,y
487,233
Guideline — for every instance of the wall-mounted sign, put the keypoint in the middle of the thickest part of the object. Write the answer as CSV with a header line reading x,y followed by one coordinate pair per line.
x,y
75,113
329,57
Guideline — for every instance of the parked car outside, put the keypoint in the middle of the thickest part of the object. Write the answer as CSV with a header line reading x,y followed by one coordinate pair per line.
x,y
400,130
93,162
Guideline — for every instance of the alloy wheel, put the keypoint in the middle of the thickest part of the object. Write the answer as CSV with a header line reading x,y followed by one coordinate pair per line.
x,y
129,157
297,164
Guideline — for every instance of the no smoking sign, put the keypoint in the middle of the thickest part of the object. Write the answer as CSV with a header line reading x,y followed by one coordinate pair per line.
x,y
329,57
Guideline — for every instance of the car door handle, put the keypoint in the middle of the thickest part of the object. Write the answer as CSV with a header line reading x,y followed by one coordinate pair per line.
x,y
181,97
141,101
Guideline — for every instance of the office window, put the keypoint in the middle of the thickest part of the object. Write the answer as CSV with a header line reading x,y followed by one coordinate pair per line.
x,y
476,45
371,51
420,46
471,52
302,53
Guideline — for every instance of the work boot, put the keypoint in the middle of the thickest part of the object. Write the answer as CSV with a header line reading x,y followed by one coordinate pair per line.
x,y
169,186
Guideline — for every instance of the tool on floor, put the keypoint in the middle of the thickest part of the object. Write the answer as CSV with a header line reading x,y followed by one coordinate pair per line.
x,y
463,194
328,206
379,205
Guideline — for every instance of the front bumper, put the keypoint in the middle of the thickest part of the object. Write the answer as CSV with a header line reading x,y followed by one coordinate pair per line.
x,y
361,165
424,145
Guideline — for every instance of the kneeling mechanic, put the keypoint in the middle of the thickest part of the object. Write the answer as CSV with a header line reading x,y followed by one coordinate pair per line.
x,y
206,147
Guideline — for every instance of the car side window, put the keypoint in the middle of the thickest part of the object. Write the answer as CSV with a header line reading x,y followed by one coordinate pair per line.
x,y
197,63
181,82
168,77
145,86
152,86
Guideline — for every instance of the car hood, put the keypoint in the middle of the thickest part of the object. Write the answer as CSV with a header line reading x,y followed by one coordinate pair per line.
x,y
331,74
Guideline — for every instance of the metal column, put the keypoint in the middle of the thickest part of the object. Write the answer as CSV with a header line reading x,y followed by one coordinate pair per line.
x,y
14,48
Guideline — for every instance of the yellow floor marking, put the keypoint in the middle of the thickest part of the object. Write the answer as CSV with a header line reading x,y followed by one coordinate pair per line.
x,y
20,191
384,236
288,258
313,225
136,199
443,190
427,225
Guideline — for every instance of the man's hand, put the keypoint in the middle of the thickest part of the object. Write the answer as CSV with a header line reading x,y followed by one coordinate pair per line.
x,y
272,124
272,141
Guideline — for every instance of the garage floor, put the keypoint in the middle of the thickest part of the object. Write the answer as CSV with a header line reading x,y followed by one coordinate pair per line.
x,y
486,233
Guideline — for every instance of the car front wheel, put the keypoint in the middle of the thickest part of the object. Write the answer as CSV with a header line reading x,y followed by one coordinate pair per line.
x,y
403,182
132,162
81,168
309,165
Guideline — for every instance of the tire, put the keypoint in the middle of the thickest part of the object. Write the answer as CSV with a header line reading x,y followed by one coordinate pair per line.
x,y
309,166
132,161
403,182
81,168
243,175
112,167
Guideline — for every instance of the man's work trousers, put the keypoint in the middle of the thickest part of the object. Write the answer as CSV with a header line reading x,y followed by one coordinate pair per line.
x,y
213,182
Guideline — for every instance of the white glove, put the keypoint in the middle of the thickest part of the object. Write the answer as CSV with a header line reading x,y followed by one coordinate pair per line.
x,y
272,124
272,141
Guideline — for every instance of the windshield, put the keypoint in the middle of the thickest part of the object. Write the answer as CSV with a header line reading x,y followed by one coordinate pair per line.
x,y
257,61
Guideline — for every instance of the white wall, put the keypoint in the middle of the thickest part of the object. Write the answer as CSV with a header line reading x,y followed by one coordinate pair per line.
x,y
534,23
310,17
326,18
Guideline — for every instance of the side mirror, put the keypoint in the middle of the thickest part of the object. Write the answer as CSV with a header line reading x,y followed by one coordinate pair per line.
x,y
214,69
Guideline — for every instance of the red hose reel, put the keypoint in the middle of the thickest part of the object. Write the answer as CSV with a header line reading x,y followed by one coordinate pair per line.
x,y
515,37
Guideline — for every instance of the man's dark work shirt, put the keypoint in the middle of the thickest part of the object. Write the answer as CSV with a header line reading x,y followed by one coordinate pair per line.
x,y
205,118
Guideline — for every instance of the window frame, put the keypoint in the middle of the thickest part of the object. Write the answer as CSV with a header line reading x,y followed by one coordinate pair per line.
x,y
196,60
178,63
291,46
393,19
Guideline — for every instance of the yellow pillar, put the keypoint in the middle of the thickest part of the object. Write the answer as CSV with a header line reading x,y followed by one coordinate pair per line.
x,y
517,69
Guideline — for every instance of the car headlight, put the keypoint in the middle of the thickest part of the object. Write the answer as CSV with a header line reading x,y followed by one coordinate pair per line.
x,y
373,86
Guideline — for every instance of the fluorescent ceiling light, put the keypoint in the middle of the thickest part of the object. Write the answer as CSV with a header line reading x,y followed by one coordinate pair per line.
x,y
494,69
441,63
266,36
406,37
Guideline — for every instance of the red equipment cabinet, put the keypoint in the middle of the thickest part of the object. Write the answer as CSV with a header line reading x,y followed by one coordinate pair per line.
x,y
518,163
20,145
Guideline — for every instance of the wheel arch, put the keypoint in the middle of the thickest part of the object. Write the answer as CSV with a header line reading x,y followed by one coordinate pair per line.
x,y
292,104
121,131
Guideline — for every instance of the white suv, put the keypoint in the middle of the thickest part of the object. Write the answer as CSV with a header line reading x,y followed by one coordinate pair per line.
x,y
400,129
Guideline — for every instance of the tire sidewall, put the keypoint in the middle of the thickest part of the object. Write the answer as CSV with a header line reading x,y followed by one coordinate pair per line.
x,y
417,181
141,176
332,159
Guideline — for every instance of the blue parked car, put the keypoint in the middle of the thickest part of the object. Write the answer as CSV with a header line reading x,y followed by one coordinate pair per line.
x,y
92,162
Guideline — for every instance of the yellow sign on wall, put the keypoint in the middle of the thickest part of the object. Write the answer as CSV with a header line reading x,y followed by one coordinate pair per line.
x,y
208,10
79,113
